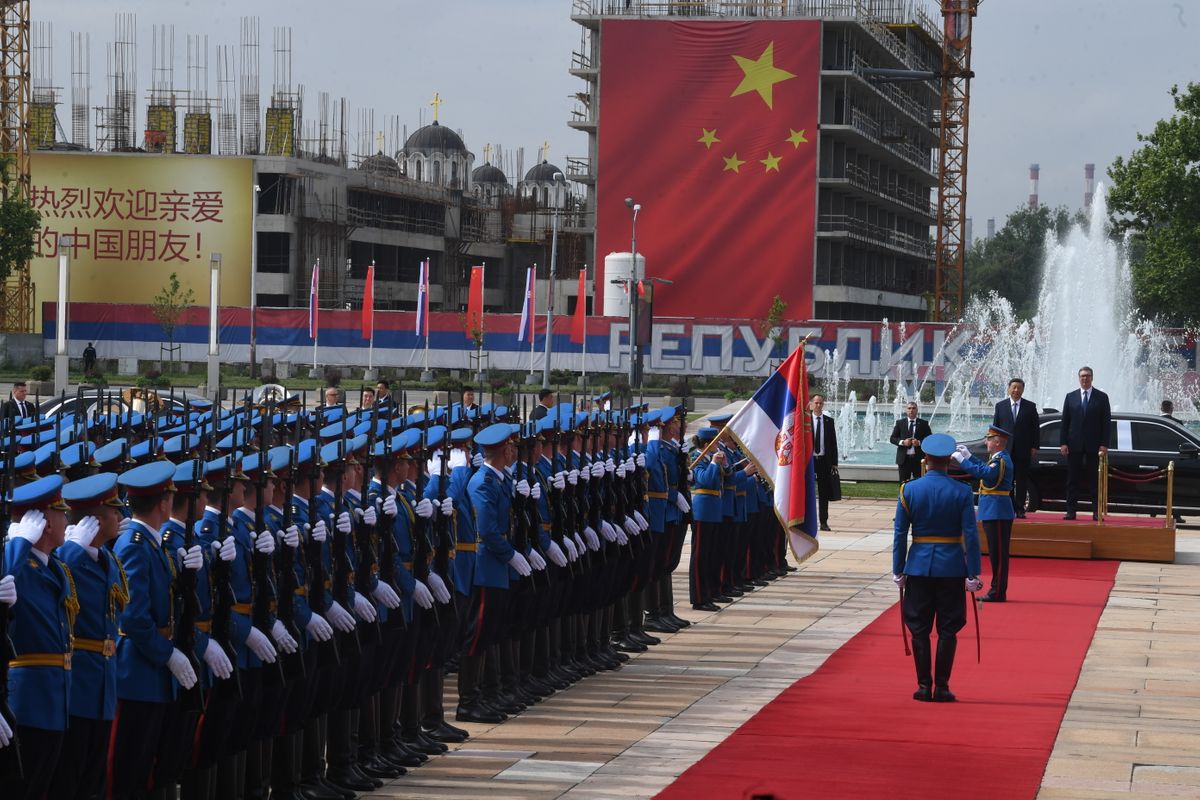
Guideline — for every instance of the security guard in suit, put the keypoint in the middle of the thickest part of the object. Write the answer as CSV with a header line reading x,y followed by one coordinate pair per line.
x,y
996,510
940,512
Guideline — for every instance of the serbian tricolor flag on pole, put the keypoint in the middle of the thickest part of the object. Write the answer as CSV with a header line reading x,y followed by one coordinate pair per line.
x,y
475,302
312,302
423,300
368,304
579,326
527,316
774,431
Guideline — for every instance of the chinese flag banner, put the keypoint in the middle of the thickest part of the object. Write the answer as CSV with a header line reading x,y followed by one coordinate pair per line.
x,y
712,128
475,302
368,304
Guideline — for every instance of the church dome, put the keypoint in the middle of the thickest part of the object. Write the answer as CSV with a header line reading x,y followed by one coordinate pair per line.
x,y
488,174
380,163
542,172
435,138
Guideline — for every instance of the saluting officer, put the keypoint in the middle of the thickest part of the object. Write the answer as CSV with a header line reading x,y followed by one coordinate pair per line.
x,y
996,510
944,551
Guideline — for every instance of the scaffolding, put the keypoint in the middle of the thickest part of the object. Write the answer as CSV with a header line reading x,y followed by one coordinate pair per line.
x,y
197,120
250,132
16,311
81,90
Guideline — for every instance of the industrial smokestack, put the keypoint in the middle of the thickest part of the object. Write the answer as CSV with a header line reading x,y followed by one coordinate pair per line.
x,y
991,227
1034,170
1089,184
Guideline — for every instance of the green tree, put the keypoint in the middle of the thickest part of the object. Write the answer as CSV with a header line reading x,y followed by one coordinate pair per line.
x,y
168,306
1010,263
19,224
1155,198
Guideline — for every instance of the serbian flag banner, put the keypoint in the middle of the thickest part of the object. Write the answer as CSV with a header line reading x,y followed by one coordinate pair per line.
x,y
527,315
579,325
475,303
711,126
312,302
368,304
423,300
774,431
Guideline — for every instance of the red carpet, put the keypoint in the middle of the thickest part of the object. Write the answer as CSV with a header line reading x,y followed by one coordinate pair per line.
x,y
1123,520
852,730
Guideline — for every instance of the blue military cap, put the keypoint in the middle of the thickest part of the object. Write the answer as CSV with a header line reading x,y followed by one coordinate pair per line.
x,y
235,441
255,463
278,459
603,396
95,490
142,449
178,446
461,436
43,458
24,467
199,403
149,479
109,453
308,452
486,408
356,448
582,418
545,424
77,454
938,445
435,435
501,411
42,494
187,474
333,452
331,414
996,430
224,468
719,419
494,435
706,435
407,440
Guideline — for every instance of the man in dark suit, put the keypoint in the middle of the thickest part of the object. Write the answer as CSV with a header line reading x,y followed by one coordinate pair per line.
x,y
1084,438
544,404
825,455
1168,411
907,436
1020,417
19,406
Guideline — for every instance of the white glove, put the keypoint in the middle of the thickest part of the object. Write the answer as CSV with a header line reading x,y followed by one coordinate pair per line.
x,y
30,527
477,460
5,733
523,488
598,470
424,508
448,507
556,554
441,592
216,660
422,595
641,459
630,527
536,561
83,532
363,609
192,558
265,543
434,464
519,563
606,530
621,470
389,506
181,668
681,503
900,580
630,465
579,544
585,474
974,584
258,643
559,481
282,638
8,590
622,539
319,628
458,458
386,596
339,617
291,536
572,551
367,515
535,491
593,540
640,520
610,465
573,477
961,453
226,549
319,532
343,524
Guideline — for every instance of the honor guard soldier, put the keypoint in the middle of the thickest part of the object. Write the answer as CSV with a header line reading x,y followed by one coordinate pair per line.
x,y
150,670
707,481
39,674
103,593
945,551
996,510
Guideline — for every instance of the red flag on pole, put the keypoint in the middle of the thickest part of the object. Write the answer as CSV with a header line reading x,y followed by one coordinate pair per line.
x,y
579,325
475,302
368,304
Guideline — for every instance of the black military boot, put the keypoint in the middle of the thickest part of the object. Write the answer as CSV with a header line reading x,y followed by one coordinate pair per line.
x,y
470,708
945,662
921,657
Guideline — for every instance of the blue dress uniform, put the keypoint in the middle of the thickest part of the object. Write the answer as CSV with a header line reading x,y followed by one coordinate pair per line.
x,y
707,485
39,675
945,550
103,591
995,511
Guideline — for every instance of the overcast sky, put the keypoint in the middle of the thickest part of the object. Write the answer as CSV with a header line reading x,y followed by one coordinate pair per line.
x,y
1059,84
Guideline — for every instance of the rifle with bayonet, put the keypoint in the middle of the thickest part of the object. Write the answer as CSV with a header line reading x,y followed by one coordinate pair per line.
x,y
327,652
443,538
365,536
224,599
262,571
387,536
287,560
188,602
340,551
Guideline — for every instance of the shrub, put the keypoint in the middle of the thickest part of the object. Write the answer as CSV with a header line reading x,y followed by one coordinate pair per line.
x,y
681,388
333,376
40,373
562,377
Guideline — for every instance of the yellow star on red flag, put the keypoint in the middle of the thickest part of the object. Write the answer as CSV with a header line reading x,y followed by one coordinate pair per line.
x,y
797,138
771,162
732,163
760,75
707,137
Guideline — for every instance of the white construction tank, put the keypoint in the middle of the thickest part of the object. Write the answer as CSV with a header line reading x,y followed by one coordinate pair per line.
x,y
618,267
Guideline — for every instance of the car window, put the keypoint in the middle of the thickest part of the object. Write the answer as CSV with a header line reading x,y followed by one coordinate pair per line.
x,y
1120,435
1156,436
1050,433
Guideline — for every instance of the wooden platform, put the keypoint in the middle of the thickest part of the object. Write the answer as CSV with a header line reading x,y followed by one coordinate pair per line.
x,y
1117,538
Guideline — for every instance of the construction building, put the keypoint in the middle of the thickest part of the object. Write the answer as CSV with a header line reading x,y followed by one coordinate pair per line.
x,y
878,142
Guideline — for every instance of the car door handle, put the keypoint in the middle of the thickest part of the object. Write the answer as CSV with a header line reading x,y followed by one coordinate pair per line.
x,y
1047,463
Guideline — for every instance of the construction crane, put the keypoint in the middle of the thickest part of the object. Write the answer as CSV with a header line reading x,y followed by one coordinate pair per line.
x,y
16,310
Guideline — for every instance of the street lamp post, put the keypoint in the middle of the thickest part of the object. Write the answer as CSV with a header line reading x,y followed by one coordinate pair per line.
x,y
558,178
633,282
254,280
214,322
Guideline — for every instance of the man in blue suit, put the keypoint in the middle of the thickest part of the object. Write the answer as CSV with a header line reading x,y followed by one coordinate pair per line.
x,y
1084,438
1020,417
